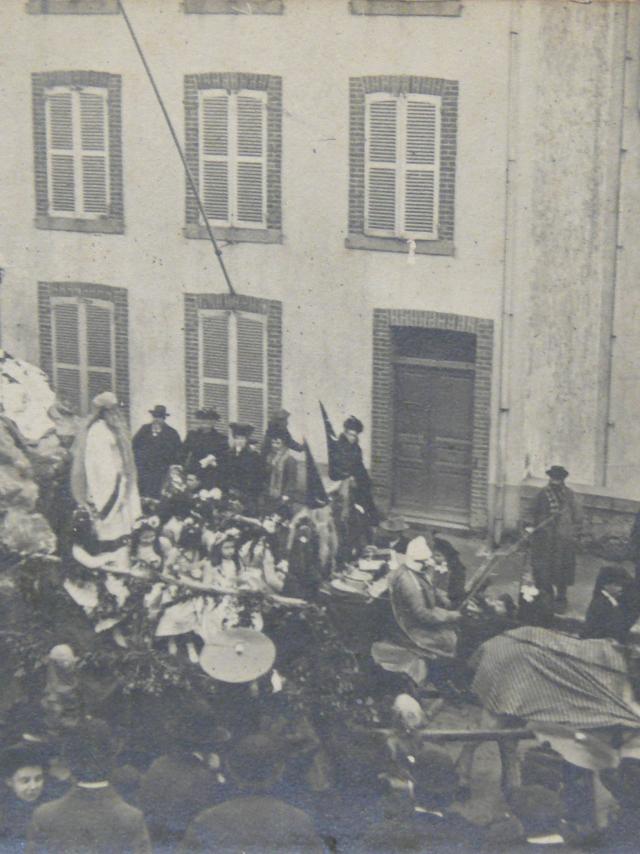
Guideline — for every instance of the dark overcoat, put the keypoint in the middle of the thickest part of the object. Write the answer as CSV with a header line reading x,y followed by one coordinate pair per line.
x,y
96,820
154,454
553,548
346,461
198,445
244,472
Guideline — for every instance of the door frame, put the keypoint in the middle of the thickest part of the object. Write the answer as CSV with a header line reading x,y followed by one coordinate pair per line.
x,y
383,395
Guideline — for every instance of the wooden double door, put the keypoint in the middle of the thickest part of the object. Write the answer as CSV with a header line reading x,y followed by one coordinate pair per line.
x,y
433,432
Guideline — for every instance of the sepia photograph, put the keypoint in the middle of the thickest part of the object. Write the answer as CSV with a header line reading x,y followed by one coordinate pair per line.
x,y
319,426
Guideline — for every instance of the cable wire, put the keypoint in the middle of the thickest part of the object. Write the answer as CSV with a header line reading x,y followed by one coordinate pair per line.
x,y
190,179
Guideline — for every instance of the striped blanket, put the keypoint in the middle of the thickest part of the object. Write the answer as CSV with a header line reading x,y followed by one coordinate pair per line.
x,y
547,677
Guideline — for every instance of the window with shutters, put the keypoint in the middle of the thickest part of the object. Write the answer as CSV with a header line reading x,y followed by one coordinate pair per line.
x,y
83,343
78,158
233,157
233,366
233,357
233,147
402,155
402,166
442,8
73,7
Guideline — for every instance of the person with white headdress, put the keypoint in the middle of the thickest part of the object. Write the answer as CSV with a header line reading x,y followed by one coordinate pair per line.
x,y
103,475
422,611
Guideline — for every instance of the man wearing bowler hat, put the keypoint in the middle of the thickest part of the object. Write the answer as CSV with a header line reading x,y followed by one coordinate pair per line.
x,y
392,534
205,450
156,446
245,468
553,547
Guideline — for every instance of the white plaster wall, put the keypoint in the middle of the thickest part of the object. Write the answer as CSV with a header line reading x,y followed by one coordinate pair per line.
x,y
328,291
571,58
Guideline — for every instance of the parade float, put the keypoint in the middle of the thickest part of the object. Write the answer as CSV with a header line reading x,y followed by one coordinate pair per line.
x,y
84,631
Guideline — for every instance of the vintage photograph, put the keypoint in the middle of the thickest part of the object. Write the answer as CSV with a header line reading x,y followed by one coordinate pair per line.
x,y
319,426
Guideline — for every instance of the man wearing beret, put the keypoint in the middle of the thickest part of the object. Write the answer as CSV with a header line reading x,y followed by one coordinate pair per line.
x,y
553,547
156,446
205,450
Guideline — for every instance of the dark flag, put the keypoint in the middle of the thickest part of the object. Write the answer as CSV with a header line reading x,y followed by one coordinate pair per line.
x,y
316,495
332,446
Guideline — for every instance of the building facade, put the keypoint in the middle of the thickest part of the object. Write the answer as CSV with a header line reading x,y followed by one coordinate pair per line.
x,y
426,209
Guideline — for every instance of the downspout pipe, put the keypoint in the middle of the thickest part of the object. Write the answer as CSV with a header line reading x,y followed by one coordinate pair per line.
x,y
629,47
508,271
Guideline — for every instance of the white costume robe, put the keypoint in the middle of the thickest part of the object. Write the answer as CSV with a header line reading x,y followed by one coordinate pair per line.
x,y
107,486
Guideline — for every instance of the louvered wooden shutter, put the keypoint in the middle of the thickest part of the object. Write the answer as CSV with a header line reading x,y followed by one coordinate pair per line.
x,y
60,152
93,141
67,379
381,165
214,155
100,346
214,363
422,164
251,359
250,183
78,152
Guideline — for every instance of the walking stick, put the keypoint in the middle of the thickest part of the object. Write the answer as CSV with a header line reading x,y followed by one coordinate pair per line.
x,y
484,570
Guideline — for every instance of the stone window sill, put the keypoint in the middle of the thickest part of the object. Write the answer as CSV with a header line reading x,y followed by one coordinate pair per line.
x,y
233,7
442,8
72,7
393,244
108,225
235,235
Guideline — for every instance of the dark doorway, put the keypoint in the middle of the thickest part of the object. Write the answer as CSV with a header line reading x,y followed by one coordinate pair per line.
x,y
434,375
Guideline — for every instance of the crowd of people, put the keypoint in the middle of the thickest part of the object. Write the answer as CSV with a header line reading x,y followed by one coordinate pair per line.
x,y
215,530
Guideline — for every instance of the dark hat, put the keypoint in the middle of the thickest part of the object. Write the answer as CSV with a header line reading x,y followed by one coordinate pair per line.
x,y
90,750
557,473
612,575
206,415
394,524
353,423
241,429
22,755
538,809
280,415
256,759
159,411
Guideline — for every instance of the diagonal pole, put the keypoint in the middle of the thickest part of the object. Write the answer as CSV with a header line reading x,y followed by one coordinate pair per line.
x,y
190,179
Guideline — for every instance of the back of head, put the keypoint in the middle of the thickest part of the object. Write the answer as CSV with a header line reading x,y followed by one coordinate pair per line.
x,y
89,750
537,808
256,762
435,777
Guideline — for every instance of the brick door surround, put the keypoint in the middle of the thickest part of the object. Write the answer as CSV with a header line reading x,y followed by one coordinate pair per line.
x,y
382,422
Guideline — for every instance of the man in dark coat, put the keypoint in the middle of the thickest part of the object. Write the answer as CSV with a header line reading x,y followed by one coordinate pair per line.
x,y
392,534
180,784
256,821
279,424
156,446
244,470
91,816
205,450
614,606
553,548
